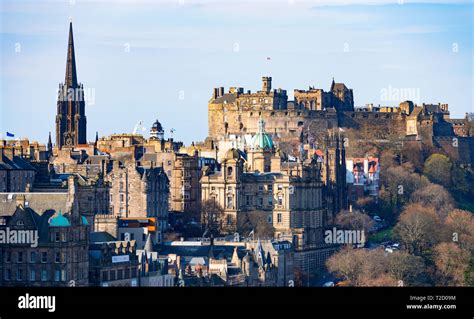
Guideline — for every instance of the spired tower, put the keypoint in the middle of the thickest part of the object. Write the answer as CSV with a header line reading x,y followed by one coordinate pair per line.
x,y
71,117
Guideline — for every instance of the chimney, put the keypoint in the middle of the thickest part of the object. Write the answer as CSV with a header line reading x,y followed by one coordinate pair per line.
x,y
221,91
215,95
9,152
20,200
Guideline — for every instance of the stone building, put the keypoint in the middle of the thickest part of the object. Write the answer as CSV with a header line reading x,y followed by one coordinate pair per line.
x,y
289,195
112,263
233,118
252,263
16,173
139,191
60,255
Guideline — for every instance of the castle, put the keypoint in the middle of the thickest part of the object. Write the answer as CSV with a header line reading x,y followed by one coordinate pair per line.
x,y
234,115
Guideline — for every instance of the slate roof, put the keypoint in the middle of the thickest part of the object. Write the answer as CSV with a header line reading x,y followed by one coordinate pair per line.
x,y
101,237
200,251
15,163
40,203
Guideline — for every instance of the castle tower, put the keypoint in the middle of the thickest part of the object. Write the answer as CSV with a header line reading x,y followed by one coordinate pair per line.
x,y
267,84
70,118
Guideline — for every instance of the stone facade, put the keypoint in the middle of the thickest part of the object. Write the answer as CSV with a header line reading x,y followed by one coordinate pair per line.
x,y
234,115
137,191
16,173
113,264
60,258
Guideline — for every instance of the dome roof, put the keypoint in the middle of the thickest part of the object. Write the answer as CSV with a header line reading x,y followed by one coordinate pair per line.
x,y
59,220
261,140
157,126
232,154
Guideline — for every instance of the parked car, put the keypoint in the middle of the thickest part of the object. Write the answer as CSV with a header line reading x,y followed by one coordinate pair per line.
x,y
377,219
329,284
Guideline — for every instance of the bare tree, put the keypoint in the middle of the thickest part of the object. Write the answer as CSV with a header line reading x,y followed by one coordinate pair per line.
x,y
452,262
354,221
460,225
357,266
436,196
212,216
256,222
405,268
418,228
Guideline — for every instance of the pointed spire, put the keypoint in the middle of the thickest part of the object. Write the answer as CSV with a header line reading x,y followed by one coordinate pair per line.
x,y
96,138
149,244
71,77
332,84
50,144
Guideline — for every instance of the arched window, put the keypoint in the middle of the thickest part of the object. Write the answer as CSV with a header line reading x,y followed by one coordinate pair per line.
x,y
229,171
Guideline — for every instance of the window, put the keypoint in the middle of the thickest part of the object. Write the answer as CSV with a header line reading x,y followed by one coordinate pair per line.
x,y
57,275
229,171
270,201
280,187
279,218
119,274
248,200
57,257
8,274
63,275
230,203
44,257
33,257
127,273
112,275
280,200
32,275
19,258
44,275
105,276
270,188
57,236
122,198
19,274
63,237
8,257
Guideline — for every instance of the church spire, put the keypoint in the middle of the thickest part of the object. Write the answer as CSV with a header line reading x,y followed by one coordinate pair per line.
x,y
50,145
71,77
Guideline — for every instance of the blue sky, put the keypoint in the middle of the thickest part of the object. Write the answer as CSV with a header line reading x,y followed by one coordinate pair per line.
x,y
180,50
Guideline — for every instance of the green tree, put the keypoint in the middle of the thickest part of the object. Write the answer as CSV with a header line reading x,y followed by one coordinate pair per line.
x,y
438,169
